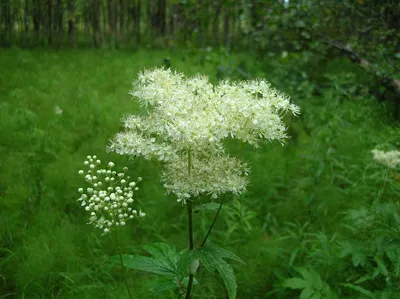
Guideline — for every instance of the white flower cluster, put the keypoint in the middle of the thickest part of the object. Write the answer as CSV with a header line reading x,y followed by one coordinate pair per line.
x,y
192,115
390,159
218,175
110,196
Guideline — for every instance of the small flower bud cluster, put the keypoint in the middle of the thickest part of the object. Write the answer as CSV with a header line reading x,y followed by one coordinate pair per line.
x,y
110,195
390,159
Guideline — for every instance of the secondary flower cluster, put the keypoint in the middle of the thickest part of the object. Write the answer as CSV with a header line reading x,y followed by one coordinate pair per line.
x,y
110,196
191,117
390,159
218,175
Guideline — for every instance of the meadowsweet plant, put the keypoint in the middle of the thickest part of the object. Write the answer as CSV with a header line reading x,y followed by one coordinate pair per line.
x,y
108,198
184,128
390,159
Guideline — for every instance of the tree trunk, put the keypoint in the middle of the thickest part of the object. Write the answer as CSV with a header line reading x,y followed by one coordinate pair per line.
x,y
7,23
112,12
149,18
216,22
36,20
96,23
138,12
59,17
227,29
160,17
87,20
180,20
71,22
104,4
49,22
122,5
391,84
203,16
171,20
27,14
234,24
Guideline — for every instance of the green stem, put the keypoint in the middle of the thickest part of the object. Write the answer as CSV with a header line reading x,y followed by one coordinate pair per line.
x,y
122,265
191,246
212,224
189,161
190,214
380,192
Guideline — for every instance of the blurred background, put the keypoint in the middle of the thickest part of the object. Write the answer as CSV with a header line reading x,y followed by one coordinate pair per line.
x,y
318,209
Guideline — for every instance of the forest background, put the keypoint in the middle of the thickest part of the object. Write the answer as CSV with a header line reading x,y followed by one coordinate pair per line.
x,y
320,213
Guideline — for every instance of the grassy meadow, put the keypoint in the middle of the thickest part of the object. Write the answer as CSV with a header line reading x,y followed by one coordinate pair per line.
x,y
306,202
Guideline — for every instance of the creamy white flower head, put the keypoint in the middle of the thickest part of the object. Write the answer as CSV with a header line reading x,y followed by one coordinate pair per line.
x,y
110,197
390,159
191,113
214,176
194,113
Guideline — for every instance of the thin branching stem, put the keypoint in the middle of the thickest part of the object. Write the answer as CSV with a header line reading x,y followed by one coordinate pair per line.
x,y
212,224
190,214
122,264
191,245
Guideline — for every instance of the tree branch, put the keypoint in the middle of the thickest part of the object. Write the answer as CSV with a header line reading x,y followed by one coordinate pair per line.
x,y
390,83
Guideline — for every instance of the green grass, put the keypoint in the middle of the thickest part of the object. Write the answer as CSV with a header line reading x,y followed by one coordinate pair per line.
x,y
298,193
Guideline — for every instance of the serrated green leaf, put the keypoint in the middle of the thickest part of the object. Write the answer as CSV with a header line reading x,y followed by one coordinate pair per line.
x,y
162,286
164,260
306,293
359,258
316,295
212,258
366,277
312,277
305,273
375,272
360,290
330,294
144,263
386,295
223,253
159,250
296,283
185,259
316,280
226,272
397,267
381,266
347,249
293,256
165,254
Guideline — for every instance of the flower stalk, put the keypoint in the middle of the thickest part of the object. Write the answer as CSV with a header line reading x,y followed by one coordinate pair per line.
x,y
122,264
190,219
191,246
212,224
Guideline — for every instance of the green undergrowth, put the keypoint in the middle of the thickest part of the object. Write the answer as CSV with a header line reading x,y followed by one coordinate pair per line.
x,y
308,201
